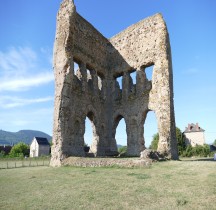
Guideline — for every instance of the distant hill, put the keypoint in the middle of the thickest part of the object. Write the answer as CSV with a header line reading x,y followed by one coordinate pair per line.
x,y
25,136
119,145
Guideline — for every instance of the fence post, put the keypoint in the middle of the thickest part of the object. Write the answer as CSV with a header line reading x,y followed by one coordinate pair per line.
x,y
15,164
7,165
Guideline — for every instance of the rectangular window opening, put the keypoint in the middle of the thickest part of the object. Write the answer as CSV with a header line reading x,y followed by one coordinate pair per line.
x,y
89,76
149,72
119,81
76,67
100,77
133,76
99,82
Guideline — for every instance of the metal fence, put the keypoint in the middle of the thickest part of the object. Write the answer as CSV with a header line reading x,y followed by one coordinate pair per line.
x,y
8,164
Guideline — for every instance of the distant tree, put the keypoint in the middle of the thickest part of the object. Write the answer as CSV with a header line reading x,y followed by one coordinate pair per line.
x,y
214,143
180,141
2,154
179,137
19,150
185,151
154,143
122,150
50,142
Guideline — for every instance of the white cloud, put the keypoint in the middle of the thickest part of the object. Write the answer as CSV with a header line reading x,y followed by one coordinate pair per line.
x,y
23,73
24,83
18,67
17,61
11,102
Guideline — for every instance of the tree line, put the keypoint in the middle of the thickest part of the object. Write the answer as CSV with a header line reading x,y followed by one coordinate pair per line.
x,y
19,150
183,149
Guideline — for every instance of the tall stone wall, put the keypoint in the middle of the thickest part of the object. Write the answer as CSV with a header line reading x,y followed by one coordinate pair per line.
x,y
92,90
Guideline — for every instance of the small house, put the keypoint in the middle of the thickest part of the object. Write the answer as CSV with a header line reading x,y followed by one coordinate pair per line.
x,y
39,146
194,135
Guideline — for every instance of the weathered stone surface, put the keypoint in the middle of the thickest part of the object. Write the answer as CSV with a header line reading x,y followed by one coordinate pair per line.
x,y
149,154
98,95
106,162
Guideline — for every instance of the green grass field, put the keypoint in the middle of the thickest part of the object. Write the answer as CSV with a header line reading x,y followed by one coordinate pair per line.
x,y
164,185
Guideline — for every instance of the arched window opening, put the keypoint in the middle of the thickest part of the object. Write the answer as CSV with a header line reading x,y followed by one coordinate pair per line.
x,y
149,72
90,135
88,132
121,134
150,128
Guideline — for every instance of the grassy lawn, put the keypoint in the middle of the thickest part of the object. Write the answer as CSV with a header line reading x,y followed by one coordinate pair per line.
x,y
166,185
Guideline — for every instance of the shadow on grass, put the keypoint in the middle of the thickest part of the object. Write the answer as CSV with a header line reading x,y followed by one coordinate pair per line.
x,y
198,159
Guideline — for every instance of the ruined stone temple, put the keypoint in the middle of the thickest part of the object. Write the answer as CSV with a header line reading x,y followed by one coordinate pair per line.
x,y
87,67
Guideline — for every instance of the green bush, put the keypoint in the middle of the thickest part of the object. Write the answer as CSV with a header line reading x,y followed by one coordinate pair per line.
x,y
19,150
198,150
122,150
188,151
2,154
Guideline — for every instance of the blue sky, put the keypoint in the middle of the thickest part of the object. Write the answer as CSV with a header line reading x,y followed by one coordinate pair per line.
x,y
26,75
